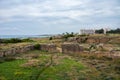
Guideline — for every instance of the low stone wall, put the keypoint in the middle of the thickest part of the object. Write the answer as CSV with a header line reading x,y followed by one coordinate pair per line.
x,y
98,40
16,50
66,48
22,49
71,48
48,47
91,39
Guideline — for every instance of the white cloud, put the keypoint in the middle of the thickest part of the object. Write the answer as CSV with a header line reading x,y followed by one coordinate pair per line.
x,y
69,3
59,8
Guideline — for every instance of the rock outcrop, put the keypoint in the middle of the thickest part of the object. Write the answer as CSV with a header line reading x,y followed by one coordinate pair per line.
x,y
71,48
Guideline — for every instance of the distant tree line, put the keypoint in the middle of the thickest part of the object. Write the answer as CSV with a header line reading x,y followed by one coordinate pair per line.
x,y
67,35
113,31
100,31
15,40
116,31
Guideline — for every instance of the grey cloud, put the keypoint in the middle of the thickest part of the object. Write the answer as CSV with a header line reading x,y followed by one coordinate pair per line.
x,y
70,11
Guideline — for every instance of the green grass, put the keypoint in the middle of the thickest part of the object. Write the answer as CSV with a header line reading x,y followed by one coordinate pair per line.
x,y
54,66
12,70
61,71
62,68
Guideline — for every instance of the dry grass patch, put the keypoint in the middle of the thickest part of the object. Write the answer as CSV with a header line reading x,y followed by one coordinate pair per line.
x,y
31,63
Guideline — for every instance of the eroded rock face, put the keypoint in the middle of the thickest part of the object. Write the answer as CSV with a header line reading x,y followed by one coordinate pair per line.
x,y
7,52
71,48
1,53
90,39
48,47
16,50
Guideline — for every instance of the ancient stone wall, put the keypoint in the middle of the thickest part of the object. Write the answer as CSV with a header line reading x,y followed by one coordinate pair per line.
x,y
22,49
48,47
16,50
90,39
71,48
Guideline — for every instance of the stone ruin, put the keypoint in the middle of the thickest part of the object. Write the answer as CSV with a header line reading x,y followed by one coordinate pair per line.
x,y
66,48
98,40
90,39
71,48
16,50
48,47
22,49
1,53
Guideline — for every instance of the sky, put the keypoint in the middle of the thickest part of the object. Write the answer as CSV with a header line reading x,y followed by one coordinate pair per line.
x,y
36,17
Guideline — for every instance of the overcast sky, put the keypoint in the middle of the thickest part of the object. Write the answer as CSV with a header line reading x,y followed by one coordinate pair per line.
x,y
57,16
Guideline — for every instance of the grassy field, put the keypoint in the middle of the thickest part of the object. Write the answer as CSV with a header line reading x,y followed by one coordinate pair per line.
x,y
37,65
40,65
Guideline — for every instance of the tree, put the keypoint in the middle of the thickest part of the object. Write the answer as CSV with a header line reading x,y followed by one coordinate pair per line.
x,y
116,31
100,31
67,35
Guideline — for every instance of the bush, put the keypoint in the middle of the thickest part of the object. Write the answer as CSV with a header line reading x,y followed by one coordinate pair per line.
x,y
67,35
105,58
50,38
27,40
92,57
117,68
84,40
116,31
101,31
37,46
15,40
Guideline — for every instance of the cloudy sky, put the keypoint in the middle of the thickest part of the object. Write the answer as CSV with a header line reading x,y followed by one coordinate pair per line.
x,y
57,16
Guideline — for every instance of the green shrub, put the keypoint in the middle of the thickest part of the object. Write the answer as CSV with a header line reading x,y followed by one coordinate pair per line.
x,y
50,38
117,68
15,40
27,40
37,46
100,31
92,57
116,31
67,35
84,40
105,58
